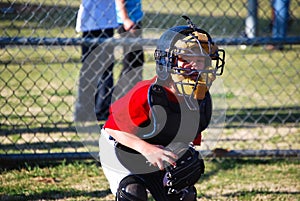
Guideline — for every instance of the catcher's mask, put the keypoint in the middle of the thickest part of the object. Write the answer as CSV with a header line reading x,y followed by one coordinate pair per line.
x,y
188,56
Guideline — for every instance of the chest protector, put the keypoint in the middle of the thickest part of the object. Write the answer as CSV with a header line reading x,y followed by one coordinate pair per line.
x,y
173,121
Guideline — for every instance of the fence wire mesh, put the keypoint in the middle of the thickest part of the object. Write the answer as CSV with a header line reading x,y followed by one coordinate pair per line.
x,y
38,82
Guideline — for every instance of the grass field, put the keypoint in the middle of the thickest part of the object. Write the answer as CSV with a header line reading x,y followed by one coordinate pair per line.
x,y
227,179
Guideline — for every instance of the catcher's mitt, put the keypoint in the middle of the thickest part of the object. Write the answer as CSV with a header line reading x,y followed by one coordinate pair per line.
x,y
188,170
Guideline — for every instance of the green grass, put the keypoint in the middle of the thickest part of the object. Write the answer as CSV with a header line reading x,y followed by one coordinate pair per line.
x,y
227,179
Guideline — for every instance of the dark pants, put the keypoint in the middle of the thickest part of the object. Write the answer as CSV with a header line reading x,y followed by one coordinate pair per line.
x,y
96,78
133,59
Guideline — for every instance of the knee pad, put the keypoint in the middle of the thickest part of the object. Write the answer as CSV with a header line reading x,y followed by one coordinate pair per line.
x,y
187,194
131,188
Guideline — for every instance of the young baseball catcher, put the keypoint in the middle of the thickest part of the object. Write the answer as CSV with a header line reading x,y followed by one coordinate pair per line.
x,y
147,143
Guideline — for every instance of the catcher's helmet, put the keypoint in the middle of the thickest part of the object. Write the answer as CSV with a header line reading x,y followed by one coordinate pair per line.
x,y
188,56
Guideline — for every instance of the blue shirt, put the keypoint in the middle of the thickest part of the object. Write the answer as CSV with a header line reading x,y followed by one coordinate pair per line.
x,y
95,15
134,10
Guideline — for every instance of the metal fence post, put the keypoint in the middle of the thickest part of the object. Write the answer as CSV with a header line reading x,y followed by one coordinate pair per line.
x,y
251,20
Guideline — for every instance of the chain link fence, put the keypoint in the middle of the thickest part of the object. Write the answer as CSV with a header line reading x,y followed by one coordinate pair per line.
x,y
40,60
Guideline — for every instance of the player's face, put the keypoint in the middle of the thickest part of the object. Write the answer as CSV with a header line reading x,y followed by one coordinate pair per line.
x,y
192,62
193,59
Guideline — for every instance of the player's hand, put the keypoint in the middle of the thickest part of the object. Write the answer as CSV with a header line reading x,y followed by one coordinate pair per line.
x,y
158,156
128,24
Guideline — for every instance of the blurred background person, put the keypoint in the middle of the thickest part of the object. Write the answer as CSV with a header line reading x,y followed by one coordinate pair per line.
x,y
95,19
129,17
280,12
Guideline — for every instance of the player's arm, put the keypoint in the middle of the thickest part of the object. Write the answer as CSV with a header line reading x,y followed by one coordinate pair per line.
x,y
127,22
156,155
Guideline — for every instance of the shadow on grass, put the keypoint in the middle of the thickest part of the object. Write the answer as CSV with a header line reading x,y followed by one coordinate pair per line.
x,y
229,164
218,165
261,192
243,117
248,116
58,194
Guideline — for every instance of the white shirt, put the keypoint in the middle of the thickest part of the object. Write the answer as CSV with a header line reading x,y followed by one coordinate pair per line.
x,y
95,15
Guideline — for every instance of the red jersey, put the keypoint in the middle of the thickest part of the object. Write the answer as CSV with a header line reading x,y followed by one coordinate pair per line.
x,y
133,110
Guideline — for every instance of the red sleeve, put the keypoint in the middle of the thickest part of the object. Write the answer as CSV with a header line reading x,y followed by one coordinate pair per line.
x,y
132,110
197,140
